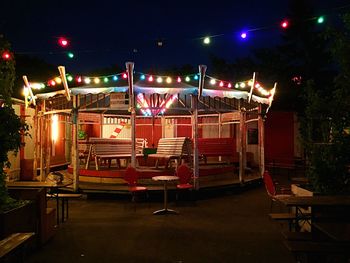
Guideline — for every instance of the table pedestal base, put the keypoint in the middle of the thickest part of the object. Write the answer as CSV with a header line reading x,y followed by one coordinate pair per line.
x,y
165,211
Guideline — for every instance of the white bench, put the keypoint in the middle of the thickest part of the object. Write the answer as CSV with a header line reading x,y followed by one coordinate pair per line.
x,y
108,149
172,148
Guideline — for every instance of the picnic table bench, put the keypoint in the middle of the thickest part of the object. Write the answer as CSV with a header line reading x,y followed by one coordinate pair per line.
x,y
172,149
108,149
15,241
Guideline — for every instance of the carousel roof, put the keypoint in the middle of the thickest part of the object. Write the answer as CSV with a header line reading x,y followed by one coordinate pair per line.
x,y
250,91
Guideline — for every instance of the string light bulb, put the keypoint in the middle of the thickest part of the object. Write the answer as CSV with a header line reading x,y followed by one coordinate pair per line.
x,y
320,19
63,42
206,40
284,24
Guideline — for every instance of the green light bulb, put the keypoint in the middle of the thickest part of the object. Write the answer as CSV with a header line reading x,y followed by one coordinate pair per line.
x,y
320,20
70,55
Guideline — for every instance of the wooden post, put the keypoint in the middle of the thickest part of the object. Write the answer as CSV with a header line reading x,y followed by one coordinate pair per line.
x,y
194,102
261,142
35,150
48,121
243,145
42,138
130,70
75,156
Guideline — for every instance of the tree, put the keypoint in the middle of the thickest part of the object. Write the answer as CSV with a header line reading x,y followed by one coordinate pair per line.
x,y
12,127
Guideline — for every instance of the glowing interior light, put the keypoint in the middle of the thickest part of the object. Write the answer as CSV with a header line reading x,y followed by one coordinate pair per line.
x,y
187,79
96,80
195,77
159,80
54,127
87,80
105,79
52,83
284,24
168,80
150,78
142,77
212,81
221,84
78,79
178,79
69,78
229,85
320,20
58,80
242,85
206,40
125,76
115,78
244,35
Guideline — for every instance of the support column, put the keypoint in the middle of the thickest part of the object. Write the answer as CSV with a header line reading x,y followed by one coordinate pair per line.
x,y
130,70
194,102
35,150
261,141
75,156
243,145
42,139
48,120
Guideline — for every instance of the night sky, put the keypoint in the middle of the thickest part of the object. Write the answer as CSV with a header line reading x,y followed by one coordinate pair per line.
x,y
108,33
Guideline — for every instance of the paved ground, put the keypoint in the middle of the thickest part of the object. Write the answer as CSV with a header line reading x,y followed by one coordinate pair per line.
x,y
226,225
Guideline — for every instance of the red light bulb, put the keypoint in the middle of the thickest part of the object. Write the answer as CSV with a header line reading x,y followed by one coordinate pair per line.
x,y
284,24
6,55
63,42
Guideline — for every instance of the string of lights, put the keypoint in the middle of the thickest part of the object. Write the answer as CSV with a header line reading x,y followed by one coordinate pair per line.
x,y
244,35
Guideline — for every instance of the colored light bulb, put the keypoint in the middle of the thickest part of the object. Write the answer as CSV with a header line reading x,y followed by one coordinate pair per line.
x,y
115,78
178,79
168,80
105,79
206,40
96,80
70,55
143,77
221,84
229,85
125,76
284,24
63,42
150,78
243,35
320,20
212,81
69,78
187,79
6,55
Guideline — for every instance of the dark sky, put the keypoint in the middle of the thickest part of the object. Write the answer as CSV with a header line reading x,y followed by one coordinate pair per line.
x,y
107,33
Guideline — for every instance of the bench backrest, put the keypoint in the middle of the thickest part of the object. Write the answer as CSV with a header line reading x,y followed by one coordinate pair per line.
x,y
216,146
172,146
105,146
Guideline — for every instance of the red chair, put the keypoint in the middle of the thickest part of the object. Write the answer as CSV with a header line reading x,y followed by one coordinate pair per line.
x,y
131,178
185,175
274,192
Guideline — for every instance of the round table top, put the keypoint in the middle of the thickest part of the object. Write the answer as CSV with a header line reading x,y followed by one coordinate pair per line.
x,y
165,178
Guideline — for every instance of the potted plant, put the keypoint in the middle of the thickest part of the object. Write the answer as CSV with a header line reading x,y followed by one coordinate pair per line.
x,y
12,128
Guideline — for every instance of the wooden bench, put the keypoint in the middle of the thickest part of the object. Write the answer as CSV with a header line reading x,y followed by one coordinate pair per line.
x,y
209,147
291,218
15,241
315,251
108,149
172,149
295,236
64,197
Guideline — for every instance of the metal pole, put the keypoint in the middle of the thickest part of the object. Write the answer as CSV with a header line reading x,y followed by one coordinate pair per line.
x,y
130,70
194,102
75,157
